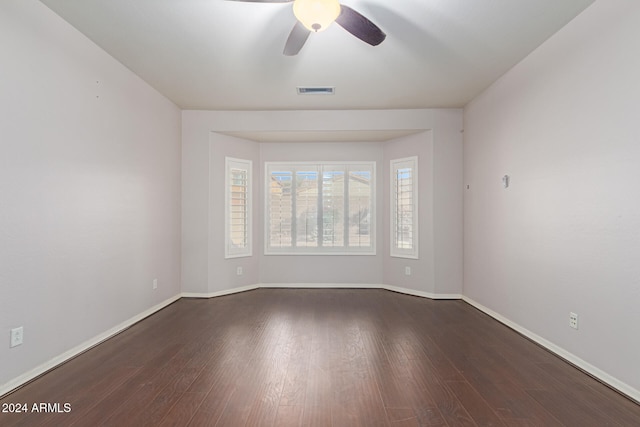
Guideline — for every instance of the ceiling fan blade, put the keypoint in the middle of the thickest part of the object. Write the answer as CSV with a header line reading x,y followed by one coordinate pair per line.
x,y
298,36
360,26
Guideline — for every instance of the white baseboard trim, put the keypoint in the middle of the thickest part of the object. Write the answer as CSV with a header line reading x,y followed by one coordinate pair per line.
x,y
60,359
611,381
219,293
422,294
321,285
392,288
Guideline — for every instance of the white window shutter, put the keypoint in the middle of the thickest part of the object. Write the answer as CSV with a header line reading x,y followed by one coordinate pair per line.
x,y
238,190
320,208
404,208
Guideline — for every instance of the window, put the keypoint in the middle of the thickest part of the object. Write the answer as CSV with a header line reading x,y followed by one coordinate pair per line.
x,y
404,207
320,208
238,208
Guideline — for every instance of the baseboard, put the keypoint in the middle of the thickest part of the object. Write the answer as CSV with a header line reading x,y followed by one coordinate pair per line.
x,y
422,294
60,359
392,288
321,285
599,374
219,293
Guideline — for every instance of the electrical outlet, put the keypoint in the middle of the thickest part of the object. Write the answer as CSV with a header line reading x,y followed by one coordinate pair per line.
x,y
407,271
17,335
239,271
573,320
155,283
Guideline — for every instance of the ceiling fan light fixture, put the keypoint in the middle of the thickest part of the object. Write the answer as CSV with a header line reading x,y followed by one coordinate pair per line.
x,y
316,15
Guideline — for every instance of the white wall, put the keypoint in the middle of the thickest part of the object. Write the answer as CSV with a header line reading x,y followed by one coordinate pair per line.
x,y
89,190
448,201
566,235
206,272
222,274
352,269
438,271
422,278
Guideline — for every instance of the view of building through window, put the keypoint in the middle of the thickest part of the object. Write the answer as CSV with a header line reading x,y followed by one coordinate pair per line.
x,y
404,208
320,208
238,208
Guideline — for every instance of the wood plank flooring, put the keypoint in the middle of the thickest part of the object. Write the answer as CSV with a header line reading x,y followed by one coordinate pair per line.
x,y
320,357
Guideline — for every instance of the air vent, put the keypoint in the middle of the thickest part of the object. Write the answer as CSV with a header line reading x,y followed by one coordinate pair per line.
x,y
316,90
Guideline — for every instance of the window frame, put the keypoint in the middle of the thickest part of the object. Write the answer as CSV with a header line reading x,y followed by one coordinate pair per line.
x,y
395,165
298,166
229,250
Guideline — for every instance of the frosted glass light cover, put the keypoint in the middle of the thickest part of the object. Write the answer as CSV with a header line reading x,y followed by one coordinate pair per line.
x,y
316,15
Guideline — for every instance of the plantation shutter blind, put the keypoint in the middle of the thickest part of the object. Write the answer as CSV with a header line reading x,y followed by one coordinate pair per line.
x,y
238,208
280,213
306,199
333,206
319,208
404,209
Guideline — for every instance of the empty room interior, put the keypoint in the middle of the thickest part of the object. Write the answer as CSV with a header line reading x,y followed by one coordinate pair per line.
x,y
236,212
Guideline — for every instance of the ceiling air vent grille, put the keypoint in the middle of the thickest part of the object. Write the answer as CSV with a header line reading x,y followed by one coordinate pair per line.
x,y
316,90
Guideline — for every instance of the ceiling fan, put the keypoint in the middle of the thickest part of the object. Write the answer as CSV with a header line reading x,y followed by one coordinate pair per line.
x,y
317,15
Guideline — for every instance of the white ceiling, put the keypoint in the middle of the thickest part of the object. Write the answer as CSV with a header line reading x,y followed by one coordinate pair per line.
x,y
227,55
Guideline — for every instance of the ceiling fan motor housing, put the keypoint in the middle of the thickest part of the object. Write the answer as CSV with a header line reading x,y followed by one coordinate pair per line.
x,y
316,15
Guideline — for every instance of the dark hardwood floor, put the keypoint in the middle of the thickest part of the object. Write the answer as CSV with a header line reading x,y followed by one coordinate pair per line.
x,y
330,357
